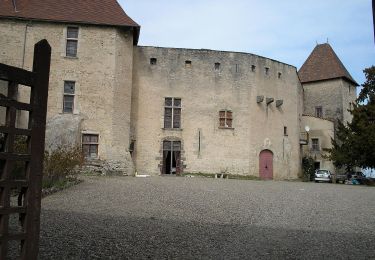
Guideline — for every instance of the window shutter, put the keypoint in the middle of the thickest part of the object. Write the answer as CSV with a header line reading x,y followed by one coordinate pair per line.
x,y
177,118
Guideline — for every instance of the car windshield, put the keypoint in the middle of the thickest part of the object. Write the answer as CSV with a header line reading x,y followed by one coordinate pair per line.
x,y
322,172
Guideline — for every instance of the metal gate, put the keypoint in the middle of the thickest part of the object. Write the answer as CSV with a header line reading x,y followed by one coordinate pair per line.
x,y
28,186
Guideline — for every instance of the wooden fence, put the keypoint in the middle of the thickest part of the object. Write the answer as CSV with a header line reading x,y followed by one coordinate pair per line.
x,y
23,240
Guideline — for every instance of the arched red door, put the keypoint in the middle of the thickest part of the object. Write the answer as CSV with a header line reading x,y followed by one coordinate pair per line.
x,y
266,165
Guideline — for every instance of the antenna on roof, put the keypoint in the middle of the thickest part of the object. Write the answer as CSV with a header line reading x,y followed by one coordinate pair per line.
x,y
327,40
14,5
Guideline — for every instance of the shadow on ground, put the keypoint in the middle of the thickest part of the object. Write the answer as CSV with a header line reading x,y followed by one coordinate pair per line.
x,y
67,235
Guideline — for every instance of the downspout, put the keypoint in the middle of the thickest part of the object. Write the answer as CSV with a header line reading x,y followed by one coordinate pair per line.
x,y
24,44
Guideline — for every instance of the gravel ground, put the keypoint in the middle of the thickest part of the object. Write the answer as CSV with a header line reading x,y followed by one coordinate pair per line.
x,y
201,218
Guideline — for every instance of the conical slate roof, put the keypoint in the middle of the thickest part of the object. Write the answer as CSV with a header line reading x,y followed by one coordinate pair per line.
x,y
323,64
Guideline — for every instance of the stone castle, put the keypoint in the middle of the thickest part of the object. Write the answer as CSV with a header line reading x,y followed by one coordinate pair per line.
x,y
168,110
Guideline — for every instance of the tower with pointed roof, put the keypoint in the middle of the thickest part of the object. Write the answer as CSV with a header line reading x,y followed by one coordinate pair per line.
x,y
329,89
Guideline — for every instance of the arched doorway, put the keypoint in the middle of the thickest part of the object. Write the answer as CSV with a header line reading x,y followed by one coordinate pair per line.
x,y
266,165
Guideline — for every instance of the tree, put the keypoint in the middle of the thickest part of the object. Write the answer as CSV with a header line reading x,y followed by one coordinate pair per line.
x,y
355,142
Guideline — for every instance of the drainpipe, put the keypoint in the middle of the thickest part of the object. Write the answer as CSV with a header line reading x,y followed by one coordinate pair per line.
x,y
24,44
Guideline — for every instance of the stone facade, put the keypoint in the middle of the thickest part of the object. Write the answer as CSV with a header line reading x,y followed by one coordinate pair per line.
x,y
204,91
121,90
102,72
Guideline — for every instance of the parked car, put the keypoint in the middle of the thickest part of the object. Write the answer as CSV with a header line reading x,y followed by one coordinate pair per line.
x,y
357,176
322,175
340,177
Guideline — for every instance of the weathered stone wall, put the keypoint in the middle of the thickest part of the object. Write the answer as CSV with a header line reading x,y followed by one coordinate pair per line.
x,y
205,91
333,95
323,130
102,71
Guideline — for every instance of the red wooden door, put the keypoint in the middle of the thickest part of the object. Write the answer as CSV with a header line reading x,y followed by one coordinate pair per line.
x,y
266,165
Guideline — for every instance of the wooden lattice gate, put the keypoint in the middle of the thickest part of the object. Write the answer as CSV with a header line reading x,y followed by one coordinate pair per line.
x,y
27,185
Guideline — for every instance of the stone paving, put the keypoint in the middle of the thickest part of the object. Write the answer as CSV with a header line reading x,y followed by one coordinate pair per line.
x,y
202,218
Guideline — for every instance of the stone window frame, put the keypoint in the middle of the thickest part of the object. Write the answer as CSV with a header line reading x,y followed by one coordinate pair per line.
x,y
315,146
319,111
90,143
226,119
71,40
68,95
175,115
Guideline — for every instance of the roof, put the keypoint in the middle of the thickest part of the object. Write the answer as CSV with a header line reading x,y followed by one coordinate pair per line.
x,y
323,64
98,12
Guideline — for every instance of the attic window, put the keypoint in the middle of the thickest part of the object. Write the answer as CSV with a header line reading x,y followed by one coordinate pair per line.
x,y
279,75
188,64
217,66
252,68
153,61
266,70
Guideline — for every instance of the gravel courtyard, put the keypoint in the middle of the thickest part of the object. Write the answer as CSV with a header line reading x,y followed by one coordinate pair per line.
x,y
201,218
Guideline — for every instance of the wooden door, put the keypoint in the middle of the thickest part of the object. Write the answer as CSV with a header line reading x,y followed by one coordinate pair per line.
x,y
266,165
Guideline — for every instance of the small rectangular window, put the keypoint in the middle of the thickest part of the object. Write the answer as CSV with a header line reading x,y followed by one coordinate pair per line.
x,y
90,143
266,70
279,75
153,61
225,119
315,144
285,131
237,68
319,111
252,68
217,66
71,41
188,64
172,112
68,99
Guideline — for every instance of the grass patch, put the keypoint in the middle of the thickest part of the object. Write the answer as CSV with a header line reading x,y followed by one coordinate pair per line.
x,y
50,186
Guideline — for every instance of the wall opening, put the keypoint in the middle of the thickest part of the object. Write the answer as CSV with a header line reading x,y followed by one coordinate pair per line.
x,y
171,157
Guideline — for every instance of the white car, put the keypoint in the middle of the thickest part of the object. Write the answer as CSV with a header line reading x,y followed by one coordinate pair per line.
x,y
323,175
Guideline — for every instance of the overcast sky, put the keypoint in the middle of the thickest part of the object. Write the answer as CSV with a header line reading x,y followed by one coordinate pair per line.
x,y
284,30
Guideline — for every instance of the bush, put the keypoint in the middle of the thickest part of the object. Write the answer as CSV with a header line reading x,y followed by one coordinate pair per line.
x,y
61,164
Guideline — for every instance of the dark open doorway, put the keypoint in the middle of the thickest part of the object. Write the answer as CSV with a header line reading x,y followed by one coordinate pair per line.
x,y
171,157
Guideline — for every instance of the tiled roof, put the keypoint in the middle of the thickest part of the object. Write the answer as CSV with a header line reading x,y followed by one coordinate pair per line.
x,y
100,12
323,64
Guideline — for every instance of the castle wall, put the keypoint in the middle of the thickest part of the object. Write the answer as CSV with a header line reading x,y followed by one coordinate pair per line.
x,y
333,95
102,73
323,130
204,91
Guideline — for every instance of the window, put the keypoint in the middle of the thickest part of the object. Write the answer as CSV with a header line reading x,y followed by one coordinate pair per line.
x,y
252,68
217,66
318,111
172,113
153,61
237,68
90,143
68,102
266,70
315,144
188,64
71,41
285,131
279,75
225,119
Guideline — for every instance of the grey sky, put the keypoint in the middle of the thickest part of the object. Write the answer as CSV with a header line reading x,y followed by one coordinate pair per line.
x,y
283,30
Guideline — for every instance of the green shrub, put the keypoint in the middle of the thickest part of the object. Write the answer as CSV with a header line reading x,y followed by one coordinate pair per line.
x,y
61,164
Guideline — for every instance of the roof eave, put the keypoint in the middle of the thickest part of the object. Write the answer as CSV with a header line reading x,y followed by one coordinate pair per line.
x,y
345,78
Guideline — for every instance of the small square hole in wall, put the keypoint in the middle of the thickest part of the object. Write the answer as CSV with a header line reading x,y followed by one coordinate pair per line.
x,y
188,64
217,66
153,61
252,68
279,75
266,70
